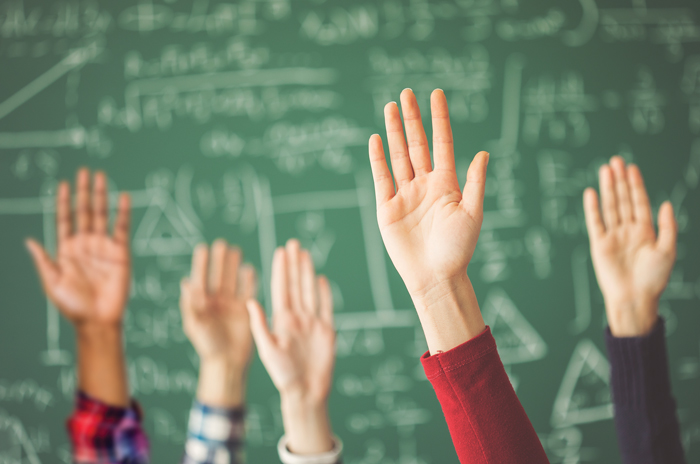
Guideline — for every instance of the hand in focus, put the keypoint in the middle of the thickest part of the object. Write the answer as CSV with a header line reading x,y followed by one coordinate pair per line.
x,y
89,279
299,351
429,226
632,264
215,319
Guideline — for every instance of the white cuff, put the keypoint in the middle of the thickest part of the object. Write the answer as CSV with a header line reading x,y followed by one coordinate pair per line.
x,y
331,457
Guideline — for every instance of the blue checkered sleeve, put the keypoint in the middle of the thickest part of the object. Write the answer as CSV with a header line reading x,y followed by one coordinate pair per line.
x,y
214,435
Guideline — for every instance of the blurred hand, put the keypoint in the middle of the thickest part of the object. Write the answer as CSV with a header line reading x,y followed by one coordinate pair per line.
x,y
632,265
215,319
88,282
299,351
89,279
429,226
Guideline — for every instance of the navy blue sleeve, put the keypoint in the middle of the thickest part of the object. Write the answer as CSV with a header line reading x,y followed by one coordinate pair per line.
x,y
645,410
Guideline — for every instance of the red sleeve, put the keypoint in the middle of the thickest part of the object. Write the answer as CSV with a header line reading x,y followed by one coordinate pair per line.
x,y
486,420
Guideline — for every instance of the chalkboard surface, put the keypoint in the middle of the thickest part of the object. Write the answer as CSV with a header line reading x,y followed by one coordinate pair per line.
x,y
249,120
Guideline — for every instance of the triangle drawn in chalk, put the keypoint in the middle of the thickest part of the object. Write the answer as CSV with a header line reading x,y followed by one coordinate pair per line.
x,y
165,230
517,340
584,394
16,444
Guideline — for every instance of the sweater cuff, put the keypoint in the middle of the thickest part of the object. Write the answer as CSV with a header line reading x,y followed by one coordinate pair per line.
x,y
331,457
639,368
467,352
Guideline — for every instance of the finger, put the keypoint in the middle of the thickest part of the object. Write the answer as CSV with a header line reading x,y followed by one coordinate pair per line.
x,y
622,189
383,182
123,221
217,266
308,283
46,268
248,287
264,339
418,150
64,216
294,274
326,300
231,271
83,210
200,265
591,209
608,197
473,197
640,199
668,229
99,203
400,162
443,145
280,283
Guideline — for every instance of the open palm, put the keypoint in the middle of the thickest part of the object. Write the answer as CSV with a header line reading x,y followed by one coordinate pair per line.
x,y
299,352
632,265
430,228
89,279
213,303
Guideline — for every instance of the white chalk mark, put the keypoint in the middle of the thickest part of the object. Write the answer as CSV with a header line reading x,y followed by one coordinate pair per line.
x,y
374,247
582,290
311,201
74,137
25,451
75,59
267,237
584,394
517,340
224,80
376,320
512,80
586,28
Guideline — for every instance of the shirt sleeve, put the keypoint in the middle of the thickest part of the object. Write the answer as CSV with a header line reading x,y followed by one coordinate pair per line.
x,y
103,434
331,457
214,435
487,423
645,410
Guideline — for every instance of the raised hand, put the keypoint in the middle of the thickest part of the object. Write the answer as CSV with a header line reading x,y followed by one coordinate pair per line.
x,y
88,282
299,351
632,264
429,226
215,319
89,279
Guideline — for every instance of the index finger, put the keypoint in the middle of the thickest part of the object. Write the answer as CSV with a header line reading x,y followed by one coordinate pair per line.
x,y
64,215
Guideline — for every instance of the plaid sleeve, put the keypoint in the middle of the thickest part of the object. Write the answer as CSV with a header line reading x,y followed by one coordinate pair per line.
x,y
214,435
103,434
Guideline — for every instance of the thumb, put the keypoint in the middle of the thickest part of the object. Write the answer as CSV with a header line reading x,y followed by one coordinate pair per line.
x,y
48,272
668,228
473,195
258,326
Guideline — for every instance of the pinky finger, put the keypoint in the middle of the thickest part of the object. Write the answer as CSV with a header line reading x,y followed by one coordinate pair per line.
x,y
123,221
258,326
326,300
591,208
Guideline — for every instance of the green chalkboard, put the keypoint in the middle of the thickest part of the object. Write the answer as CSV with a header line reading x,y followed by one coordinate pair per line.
x,y
249,120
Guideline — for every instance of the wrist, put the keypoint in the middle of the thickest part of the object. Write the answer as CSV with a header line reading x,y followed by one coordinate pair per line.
x,y
221,382
632,318
306,424
449,313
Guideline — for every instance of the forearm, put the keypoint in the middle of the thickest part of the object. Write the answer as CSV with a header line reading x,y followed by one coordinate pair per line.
x,y
221,383
645,411
449,314
101,364
306,425
486,420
